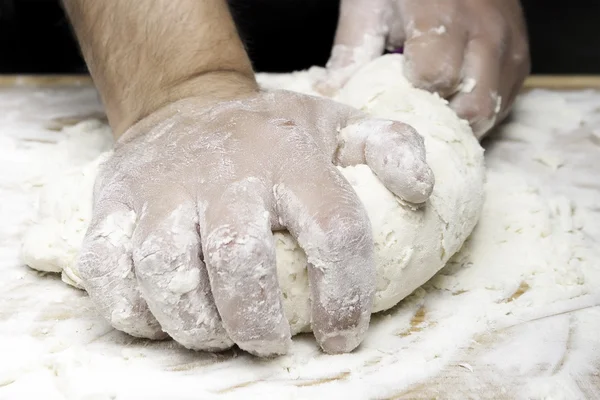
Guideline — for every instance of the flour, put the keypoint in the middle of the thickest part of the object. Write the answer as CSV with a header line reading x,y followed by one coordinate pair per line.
x,y
412,243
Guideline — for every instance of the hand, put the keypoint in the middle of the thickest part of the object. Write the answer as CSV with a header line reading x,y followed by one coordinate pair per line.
x,y
449,45
181,236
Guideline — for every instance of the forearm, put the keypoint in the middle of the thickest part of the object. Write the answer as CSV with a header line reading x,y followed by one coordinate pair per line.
x,y
143,55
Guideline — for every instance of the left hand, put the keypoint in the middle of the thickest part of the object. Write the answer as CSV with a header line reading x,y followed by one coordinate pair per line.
x,y
181,235
449,45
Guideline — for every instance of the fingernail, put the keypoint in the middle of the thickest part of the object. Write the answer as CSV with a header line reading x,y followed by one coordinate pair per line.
x,y
266,348
341,342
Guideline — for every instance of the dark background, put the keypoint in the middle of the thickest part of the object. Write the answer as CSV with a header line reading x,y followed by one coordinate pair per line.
x,y
285,35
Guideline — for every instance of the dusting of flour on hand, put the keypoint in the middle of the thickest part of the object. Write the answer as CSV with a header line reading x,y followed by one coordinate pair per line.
x,y
411,243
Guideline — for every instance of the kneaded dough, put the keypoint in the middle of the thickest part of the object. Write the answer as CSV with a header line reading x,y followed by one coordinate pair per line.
x,y
411,243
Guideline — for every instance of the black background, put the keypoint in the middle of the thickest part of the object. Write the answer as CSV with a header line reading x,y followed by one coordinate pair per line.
x,y
285,35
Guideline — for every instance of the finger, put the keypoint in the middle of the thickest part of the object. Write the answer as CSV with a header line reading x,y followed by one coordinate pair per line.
x,y
239,253
435,46
360,37
512,96
394,151
506,92
517,67
172,277
481,106
321,210
107,272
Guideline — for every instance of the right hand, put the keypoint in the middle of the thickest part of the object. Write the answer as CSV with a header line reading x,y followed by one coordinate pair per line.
x,y
473,52
181,237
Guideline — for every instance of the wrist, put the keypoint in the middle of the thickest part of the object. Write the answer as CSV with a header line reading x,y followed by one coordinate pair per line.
x,y
145,55
205,87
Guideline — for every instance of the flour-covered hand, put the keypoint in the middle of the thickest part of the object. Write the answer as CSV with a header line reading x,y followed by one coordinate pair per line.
x,y
181,242
474,52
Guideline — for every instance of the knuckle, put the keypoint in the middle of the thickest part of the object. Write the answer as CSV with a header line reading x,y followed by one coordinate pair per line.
x,y
157,254
146,252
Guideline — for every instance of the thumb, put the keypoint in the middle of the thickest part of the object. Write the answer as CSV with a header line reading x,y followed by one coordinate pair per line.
x,y
360,38
394,151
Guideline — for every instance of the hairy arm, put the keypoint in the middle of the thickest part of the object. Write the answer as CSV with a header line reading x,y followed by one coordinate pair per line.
x,y
144,55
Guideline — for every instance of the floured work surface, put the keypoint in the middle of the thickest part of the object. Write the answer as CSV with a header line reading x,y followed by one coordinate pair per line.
x,y
514,315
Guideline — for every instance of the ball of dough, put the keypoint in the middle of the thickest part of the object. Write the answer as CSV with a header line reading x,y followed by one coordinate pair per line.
x,y
411,243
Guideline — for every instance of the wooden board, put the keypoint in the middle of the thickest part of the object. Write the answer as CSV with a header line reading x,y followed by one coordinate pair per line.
x,y
563,82
44,80
554,82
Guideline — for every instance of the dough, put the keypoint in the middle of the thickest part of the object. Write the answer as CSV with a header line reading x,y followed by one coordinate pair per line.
x,y
411,243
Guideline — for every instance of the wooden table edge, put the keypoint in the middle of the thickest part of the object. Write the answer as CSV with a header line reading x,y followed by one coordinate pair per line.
x,y
552,82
